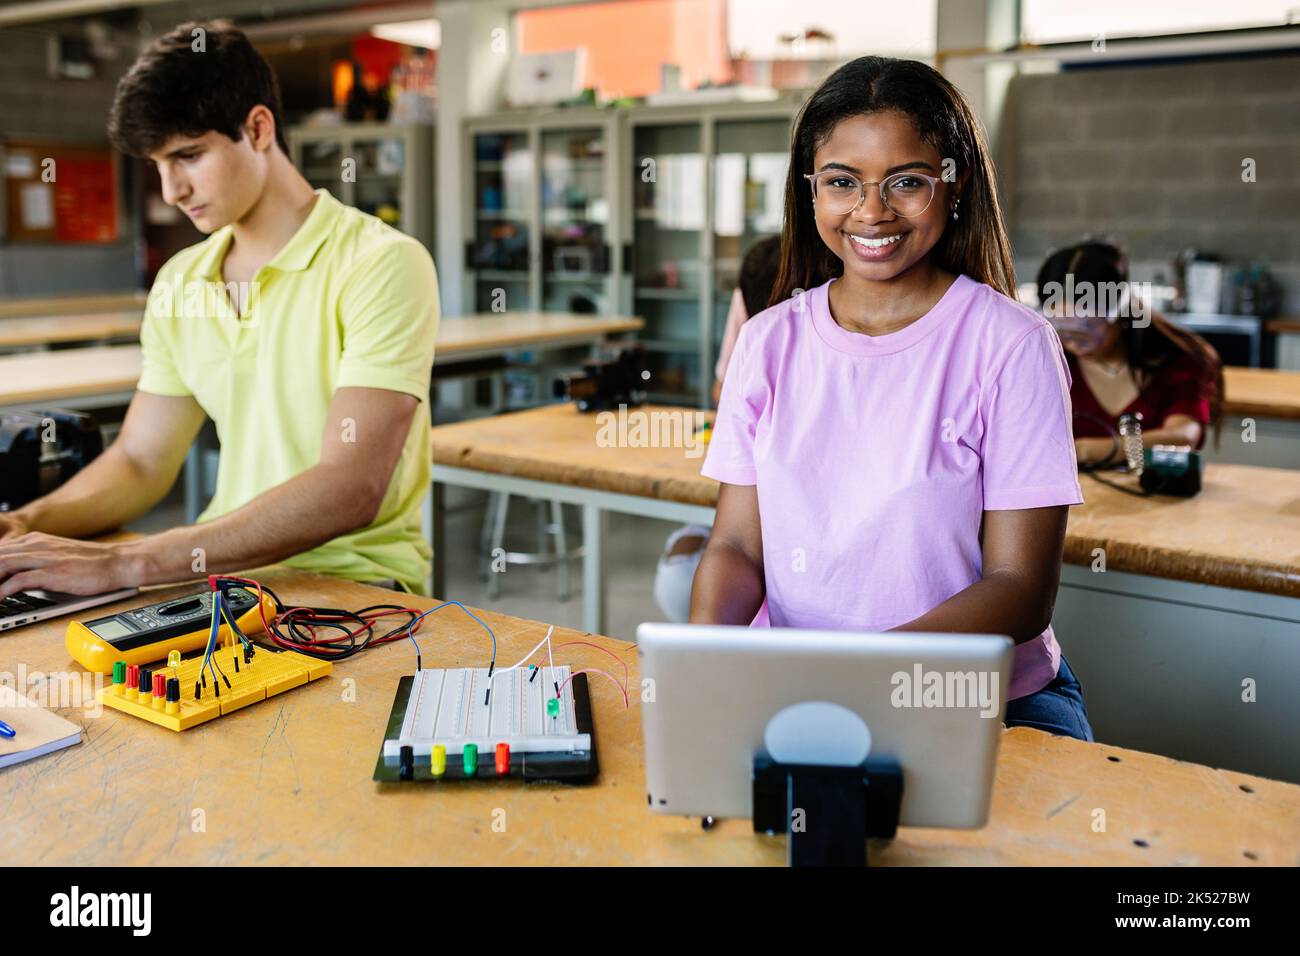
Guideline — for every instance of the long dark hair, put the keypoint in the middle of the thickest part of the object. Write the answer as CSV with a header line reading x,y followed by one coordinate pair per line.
x,y
1146,348
976,244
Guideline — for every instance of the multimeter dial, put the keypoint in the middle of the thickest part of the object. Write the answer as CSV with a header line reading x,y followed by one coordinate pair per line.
x,y
159,622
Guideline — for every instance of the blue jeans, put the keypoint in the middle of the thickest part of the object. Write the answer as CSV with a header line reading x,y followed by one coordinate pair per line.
x,y
1058,708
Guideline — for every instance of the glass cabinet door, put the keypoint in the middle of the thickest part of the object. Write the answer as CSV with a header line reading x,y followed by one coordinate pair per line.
x,y
575,221
498,252
668,217
377,186
749,172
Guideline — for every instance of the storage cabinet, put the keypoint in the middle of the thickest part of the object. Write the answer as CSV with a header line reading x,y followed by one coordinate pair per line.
x,y
541,209
381,169
708,182
646,212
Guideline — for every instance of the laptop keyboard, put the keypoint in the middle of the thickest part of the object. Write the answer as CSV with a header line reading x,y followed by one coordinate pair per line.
x,y
23,602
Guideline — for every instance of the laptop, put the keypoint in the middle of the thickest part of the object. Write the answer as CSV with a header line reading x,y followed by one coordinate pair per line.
x,y
28,607
716,698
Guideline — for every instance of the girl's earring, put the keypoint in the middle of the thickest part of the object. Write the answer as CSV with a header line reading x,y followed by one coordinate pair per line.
x,y
954,209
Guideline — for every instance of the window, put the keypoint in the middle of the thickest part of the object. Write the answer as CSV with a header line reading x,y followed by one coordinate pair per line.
x,y
1058,21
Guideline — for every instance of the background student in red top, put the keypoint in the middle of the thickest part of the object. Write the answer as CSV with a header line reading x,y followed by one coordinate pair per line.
x,y
1120,364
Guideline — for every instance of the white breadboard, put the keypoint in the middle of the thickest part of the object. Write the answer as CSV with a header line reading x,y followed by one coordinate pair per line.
x,y
447,707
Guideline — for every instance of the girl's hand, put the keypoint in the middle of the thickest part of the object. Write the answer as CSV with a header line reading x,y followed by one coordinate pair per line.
x,y
1094,451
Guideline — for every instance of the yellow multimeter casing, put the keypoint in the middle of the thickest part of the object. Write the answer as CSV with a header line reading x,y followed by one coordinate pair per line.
x,y
144,635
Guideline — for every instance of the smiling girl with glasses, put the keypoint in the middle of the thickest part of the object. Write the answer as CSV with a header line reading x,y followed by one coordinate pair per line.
x,y
893,438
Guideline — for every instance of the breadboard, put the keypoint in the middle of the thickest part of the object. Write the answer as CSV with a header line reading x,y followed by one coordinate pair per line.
x,y
268,674
448,711
451,708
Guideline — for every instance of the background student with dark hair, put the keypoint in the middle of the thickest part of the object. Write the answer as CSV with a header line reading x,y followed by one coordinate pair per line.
x,y
1130,360
894,443
676,568
752,295
309,343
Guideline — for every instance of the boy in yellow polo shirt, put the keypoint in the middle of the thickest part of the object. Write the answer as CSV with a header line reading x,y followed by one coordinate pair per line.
x,y
305,330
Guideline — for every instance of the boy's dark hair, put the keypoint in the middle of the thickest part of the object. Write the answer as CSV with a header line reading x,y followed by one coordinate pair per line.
x,y
188,82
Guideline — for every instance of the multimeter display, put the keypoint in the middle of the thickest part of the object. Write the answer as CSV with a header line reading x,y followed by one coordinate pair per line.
x,y
147,634
111,628
159,622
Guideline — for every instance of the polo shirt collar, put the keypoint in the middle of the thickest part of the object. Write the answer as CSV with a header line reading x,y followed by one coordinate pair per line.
x,y
297,253
209,263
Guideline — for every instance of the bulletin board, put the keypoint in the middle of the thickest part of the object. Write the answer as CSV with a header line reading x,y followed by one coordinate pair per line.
x,y
57,192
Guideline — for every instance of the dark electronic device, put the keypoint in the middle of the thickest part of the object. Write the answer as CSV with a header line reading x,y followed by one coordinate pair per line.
x,y
605,384
861,801
40,450
1172,470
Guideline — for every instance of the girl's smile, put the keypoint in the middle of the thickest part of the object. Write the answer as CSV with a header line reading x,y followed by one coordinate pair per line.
x,y
876,248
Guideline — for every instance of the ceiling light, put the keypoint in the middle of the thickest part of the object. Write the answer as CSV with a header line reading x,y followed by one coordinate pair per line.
x,y
422,33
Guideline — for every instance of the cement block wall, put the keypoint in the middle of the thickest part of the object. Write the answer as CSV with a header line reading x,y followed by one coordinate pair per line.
x,y
1153,156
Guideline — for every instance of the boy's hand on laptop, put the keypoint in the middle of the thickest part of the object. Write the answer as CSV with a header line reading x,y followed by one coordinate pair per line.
x,y
38,560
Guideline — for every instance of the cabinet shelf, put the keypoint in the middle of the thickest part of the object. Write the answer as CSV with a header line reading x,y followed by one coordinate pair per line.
x,y
672,295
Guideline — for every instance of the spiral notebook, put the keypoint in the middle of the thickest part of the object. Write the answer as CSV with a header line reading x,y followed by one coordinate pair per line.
x,y
39,731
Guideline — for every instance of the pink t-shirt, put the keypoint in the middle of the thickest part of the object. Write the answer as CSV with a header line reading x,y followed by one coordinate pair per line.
x,y
876,456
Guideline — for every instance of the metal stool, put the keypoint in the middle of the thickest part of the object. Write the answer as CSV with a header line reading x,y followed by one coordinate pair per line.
x,y
494,534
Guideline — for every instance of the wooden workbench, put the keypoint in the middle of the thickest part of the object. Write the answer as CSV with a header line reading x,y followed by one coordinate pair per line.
x,y
1196,594
1265,392
75,374
72,304
490,333
85,378
288,782
56,329
1242,531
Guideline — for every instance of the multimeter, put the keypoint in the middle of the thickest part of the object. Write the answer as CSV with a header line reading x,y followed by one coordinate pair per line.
x,y
147,634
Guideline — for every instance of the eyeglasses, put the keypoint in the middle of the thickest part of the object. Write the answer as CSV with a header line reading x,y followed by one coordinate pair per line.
x,y
904,194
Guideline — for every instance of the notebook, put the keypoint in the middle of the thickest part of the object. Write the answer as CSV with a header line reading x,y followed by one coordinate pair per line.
x,y
40,731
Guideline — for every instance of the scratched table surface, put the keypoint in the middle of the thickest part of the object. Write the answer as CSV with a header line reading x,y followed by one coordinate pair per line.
x,y
288,782
1241,531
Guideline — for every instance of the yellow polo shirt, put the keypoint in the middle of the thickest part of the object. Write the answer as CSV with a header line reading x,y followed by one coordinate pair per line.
x,y
348,302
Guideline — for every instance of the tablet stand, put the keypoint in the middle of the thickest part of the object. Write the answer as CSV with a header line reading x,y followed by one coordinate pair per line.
x,y
828,812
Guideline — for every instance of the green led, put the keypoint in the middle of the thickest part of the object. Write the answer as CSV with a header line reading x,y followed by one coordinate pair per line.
x,y
553,707
470,755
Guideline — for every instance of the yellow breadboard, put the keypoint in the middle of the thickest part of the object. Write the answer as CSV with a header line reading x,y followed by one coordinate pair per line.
x,y
268,674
